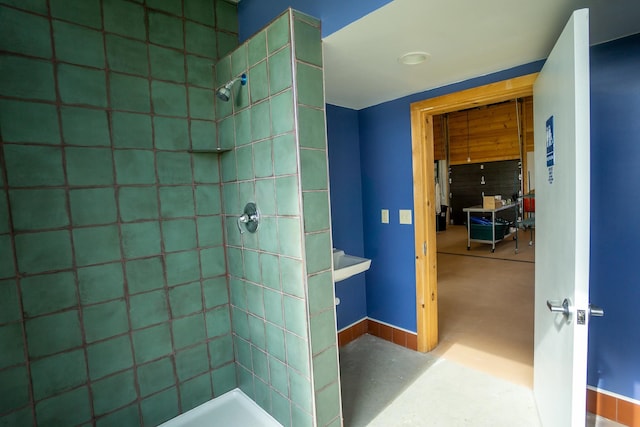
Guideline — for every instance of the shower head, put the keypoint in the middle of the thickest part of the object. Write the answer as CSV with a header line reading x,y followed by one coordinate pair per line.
x,y
224,93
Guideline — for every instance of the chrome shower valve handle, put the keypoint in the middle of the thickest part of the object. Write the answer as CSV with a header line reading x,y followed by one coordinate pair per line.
x,y
250,218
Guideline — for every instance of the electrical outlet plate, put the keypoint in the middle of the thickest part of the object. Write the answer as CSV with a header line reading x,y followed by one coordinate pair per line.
x,y
405,216
384,216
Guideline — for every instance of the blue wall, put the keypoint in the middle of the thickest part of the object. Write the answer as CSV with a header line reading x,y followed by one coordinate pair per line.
x,y
334,14
614,340
346,207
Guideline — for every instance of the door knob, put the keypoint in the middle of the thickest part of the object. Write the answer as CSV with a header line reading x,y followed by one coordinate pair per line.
x,y
560,307
595,311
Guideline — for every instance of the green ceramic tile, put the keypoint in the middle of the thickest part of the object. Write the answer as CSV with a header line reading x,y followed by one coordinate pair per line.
x,y
78,45
171,134
140,239
79,85
328,404
262,158
29,122
48,293
4,213
12,345
225,108
301,393
195,392
105,320
243,127
200,40
318,248
54,333
236,268
70,408
300,417
38,209
285,155
145,274
292,276
212,261
273,307
311,125
89,166
325,368
316,211
121,417
209,231
268,238
280,71
129,93
282,112
257,332
278,375
83,126
174,168
27,78
160,407
255,293
127,56
186,299
10,307
313,165
95,245
24,33
15,390
257,47
39,252
78,11
113,392
192,362
241,96
176,201
100,283
240,323
131,130
203,137
189,330
152,343
245,162
265,196
239,60
223,71
215,292
295,315
278,33
306,18
260,364
289,235
270,270
173,7
201,104
179,234
202,12
155,376
233,238
93,206
281,408
227,16
287,195
167,64
221,351
206,169
54,374
258,82
243,353
308,43
134,167
260,121
37,6
169,99
208,200
165,30
33,165
138,203
182,267
323,331
310,81
231,199
226,42
124,18
22,417
321,293
148,309
109,356
7,269
275,342
200,70
297,353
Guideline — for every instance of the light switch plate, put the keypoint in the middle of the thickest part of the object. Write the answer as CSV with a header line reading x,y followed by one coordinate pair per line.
x,y
384,216
405,216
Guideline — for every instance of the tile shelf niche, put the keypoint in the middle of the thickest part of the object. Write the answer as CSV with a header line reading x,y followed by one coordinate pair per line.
x,y
210,150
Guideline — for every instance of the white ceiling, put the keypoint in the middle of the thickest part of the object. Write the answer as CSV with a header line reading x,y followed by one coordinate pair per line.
x,y
466,39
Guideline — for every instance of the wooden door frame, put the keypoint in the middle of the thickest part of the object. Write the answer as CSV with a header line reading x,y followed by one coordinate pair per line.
x,y
422,113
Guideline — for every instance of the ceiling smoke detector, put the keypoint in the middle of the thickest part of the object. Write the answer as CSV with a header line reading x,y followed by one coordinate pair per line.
x,y
414,58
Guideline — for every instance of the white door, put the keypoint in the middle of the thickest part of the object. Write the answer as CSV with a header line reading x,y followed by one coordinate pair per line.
x,y
561,129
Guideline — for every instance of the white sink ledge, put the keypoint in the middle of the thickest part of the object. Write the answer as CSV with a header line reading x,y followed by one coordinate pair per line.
x,y
345,266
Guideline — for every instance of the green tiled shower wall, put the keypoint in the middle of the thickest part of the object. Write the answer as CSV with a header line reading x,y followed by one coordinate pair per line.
x,y
282,295
114,305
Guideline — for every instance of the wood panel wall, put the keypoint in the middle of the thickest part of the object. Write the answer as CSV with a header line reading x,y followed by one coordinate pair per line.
x,y
439,137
